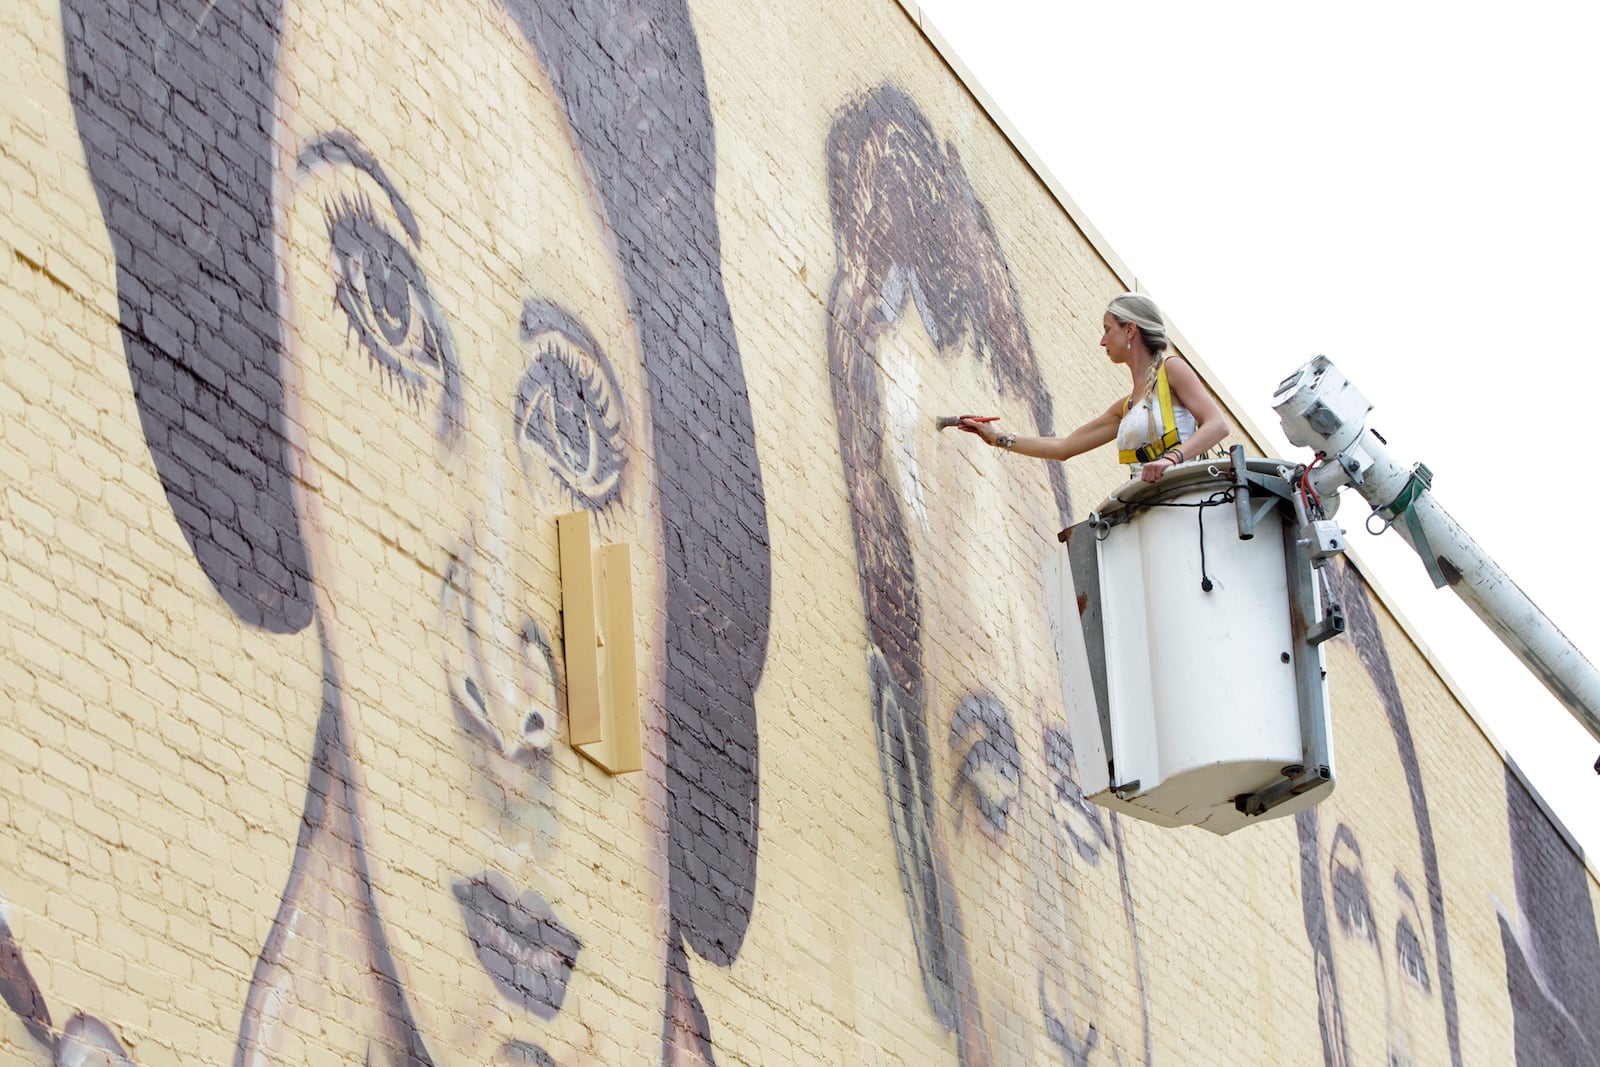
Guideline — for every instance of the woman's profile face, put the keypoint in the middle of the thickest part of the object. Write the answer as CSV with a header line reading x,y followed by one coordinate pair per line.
x,y
1116,338
1380,924
460,369
1033,864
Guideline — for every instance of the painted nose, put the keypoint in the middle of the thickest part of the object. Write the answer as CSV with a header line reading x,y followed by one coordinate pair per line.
x,y
1396,1029
499,662
1070,1029
1399,1048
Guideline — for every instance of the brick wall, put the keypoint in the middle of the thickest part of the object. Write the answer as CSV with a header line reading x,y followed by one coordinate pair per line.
x,y
315,316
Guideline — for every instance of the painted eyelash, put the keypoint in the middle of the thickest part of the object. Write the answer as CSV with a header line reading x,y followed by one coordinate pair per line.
x,y
983,727
1411,954
350,212
592,380
570,406
395,377
348,207
1352,902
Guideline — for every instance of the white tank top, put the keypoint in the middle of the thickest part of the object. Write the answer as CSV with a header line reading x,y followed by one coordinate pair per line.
x,y
1135,428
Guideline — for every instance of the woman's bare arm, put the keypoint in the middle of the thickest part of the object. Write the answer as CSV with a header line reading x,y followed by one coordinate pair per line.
x,y
1100,430
1210,424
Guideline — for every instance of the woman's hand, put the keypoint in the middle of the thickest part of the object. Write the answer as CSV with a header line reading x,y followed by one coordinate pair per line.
x,y
986,430
1152,471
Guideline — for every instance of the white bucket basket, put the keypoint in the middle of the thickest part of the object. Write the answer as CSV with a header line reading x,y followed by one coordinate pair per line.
x,y
1188,705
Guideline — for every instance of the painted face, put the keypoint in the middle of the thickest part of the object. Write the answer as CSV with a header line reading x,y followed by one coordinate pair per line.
x,y
460,370
1117,338
1376,893
1034,865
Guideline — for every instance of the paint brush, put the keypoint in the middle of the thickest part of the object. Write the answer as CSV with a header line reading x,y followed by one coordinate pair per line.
x,y
941,421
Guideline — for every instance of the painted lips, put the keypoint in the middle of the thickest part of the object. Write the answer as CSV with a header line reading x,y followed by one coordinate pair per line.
x,y
519,942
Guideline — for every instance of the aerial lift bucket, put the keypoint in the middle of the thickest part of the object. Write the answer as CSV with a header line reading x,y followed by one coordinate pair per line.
x,y
1189,621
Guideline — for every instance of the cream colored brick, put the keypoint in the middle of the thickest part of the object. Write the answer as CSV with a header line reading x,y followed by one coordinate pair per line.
x,y
160,748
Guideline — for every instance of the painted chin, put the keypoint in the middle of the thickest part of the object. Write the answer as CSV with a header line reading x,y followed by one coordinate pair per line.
x,y
525,950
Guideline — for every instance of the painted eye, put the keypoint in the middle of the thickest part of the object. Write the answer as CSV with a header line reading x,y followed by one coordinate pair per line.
x,y
1352,904
1075,815
384,295
991,770
570,409
1408,951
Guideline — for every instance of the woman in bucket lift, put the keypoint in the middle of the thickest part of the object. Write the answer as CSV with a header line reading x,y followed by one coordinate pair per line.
x,y
1167,418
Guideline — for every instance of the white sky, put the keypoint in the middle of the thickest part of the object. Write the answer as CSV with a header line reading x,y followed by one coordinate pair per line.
x,y
1406,186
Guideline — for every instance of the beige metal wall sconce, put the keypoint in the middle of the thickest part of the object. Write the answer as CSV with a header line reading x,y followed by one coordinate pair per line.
x,y
597,629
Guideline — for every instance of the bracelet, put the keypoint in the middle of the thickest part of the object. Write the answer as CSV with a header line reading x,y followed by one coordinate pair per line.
x,y
1173,452
1005,440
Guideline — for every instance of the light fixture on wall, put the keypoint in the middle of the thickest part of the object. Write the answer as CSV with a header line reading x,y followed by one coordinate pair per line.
x,y
597,629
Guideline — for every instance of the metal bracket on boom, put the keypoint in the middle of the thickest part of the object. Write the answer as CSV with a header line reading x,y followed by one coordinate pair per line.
x,y
1332,625
1296,780
1277,490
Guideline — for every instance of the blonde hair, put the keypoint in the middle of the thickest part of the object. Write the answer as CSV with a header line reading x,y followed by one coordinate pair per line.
x,y
1141,313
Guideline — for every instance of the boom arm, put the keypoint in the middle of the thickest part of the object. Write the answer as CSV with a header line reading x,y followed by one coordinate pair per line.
x,y
1321,410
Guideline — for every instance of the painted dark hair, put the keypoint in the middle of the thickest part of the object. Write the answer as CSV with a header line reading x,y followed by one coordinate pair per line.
x,y
910,236
174,105
1366,638
1551,948
909,232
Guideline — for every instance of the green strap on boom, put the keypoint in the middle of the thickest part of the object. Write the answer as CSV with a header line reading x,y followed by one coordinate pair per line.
x,y
1169,425
1402,507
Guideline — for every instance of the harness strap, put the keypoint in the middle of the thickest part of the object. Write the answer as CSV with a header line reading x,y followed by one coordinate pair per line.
x,y
1169,438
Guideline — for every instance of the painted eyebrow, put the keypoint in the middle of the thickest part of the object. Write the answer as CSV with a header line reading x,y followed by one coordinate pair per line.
x,y
543,316
1405,891
989,715
341,146
1346,836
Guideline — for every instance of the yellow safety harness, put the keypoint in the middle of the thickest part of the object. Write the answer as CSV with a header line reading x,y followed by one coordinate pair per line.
x,y
1169,437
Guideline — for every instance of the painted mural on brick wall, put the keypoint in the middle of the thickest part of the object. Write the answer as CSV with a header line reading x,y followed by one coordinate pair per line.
x,y
371,371
1374,904
997,847
391,284
79,1038
1551,947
